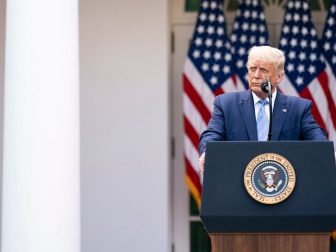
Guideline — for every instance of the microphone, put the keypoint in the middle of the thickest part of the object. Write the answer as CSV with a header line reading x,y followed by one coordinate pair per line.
x,y
267,88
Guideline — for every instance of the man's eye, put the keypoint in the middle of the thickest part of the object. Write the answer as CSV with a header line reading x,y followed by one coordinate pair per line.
x,y
252,69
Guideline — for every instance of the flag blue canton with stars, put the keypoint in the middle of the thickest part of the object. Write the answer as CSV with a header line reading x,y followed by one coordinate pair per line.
x,y
300,44
210,47
249,29
329,38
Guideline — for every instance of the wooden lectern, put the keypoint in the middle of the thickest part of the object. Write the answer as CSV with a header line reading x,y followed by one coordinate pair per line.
x,y
236,222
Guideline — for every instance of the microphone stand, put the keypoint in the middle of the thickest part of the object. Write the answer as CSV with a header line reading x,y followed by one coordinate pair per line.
x,y
270,110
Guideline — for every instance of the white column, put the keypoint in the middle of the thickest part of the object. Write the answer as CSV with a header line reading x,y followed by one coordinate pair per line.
x,y
41,127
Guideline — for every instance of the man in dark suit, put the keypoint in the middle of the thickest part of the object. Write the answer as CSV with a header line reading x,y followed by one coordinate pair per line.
x,y
235,115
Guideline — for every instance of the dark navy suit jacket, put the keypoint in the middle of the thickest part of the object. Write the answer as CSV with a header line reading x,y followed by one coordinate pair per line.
x,y
233,119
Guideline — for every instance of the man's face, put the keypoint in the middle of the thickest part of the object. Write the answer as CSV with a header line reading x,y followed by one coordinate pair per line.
x,y
258,72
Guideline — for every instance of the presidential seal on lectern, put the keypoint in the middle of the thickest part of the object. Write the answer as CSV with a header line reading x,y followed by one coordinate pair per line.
x,y
269,178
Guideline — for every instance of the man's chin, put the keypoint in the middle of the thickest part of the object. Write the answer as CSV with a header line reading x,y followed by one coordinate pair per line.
x,y
258,92
256,89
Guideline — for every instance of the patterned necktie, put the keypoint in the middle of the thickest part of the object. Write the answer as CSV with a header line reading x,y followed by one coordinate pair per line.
x,y
262,121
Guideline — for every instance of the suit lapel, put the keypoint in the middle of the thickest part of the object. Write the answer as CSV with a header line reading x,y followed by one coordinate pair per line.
x,y
279,114
247,110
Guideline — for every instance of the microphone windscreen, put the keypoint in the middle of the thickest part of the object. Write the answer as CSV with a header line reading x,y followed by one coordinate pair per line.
x,y
264,87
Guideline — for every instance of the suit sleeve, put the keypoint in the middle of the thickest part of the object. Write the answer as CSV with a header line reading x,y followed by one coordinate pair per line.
x,y
310,129
216,127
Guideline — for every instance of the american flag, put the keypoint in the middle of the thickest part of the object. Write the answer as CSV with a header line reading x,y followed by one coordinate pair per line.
x,y
305,70
207,73
249,29
328,46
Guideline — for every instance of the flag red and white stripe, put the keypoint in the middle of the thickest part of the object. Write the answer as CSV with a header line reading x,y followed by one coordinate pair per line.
x,y
306,73
207,73
328,47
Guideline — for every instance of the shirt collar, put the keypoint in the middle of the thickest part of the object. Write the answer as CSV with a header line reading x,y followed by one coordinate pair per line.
x,y
256,99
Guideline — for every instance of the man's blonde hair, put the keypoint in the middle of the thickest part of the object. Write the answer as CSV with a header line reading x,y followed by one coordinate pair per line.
x,y
268,54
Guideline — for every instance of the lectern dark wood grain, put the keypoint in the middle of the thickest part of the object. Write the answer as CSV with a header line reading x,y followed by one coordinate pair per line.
x,y
236,221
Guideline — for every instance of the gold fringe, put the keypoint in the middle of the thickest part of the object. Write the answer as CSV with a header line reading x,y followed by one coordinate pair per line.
x,y
193,190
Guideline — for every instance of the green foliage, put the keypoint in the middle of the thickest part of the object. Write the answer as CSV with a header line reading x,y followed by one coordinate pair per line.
x,y
199,239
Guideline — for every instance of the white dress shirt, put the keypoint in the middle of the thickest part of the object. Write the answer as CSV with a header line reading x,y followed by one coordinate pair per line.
x,y
257,105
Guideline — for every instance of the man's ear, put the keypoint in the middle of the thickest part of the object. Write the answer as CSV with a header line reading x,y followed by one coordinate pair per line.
x,y
280,76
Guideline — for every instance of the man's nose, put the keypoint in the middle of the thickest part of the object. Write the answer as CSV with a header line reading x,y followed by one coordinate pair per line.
x,y
257,72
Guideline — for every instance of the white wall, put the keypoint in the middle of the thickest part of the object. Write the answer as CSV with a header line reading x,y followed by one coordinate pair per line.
x,y
124,50
2,59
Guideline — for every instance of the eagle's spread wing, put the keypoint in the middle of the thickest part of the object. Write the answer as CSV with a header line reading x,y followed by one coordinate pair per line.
x,y
276,177
263,177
